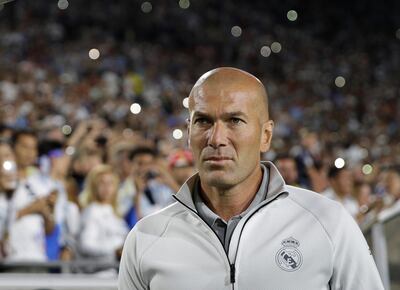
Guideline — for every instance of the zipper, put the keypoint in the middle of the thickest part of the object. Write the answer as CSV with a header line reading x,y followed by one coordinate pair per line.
x,y
231,265
248,218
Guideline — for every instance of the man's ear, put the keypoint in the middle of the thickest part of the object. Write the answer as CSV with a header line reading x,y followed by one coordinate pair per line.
x,y
266,135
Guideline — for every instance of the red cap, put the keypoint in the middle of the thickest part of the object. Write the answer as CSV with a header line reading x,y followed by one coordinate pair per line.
x,y
180,158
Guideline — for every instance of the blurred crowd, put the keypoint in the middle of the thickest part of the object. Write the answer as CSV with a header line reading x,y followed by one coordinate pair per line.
x,y
79,168
80,205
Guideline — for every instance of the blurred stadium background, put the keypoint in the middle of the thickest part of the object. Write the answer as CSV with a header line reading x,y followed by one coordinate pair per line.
x,y
96,89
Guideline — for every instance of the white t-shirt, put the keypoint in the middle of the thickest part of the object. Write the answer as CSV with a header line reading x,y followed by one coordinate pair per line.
x,y
102,231
349,203
27,236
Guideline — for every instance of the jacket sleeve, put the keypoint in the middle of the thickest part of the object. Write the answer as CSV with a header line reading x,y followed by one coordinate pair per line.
x,y
353,264
129,277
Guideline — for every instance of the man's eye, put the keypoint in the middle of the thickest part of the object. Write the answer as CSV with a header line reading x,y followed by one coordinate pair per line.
x,y
202,121
236,120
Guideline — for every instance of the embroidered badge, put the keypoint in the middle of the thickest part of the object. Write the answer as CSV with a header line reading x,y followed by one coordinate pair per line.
x,y
289,257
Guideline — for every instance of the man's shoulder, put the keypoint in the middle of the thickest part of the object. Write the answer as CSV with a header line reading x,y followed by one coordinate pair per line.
x,y
152,228
156,223
325,211
312,201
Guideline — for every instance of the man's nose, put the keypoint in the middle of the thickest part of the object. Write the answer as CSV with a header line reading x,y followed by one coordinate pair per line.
x,y
218,135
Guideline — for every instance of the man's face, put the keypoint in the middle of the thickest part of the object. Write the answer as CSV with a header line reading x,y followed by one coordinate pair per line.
x,y
6,152
106,188
287,168
343,182
8,175
26,150
142,163
226,134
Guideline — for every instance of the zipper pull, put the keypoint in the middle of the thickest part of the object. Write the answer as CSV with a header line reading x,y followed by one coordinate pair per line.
x,y
233,272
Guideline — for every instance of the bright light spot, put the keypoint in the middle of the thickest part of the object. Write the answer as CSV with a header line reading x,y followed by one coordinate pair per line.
x,y
339,163
177,134
276,47
63,4
135,108
66,129
70,150
184,4
236,31
340,82
292,15
398,33
127,133
146,7
8,165
367,169
185,103
94,53
265,51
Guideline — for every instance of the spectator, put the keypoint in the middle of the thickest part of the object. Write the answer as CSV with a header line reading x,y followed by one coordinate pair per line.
x,y
54,167
182,165
288,168
25,144
8,184
102,231
392,186
153,183
341,189
31,220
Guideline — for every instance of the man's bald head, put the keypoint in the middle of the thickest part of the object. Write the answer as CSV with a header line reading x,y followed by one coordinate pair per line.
x,y
234,79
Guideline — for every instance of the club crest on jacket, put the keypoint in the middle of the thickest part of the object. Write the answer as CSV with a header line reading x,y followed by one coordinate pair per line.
x,y
289,258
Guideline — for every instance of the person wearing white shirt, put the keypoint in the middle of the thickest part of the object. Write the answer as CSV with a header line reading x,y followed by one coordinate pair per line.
x,y
102,231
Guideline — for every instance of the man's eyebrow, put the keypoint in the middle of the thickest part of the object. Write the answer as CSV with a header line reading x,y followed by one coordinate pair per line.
x,y
201,114
224,115
234,114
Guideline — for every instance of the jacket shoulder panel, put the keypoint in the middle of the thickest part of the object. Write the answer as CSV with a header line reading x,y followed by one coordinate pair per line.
x,y
325,211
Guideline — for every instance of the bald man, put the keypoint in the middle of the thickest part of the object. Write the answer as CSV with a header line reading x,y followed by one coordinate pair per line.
x,y
236,224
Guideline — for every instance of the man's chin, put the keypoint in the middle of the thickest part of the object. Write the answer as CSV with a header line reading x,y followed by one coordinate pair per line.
x,y
217,179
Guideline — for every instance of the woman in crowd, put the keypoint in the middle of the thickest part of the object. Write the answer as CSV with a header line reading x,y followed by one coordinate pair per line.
x,y
102,231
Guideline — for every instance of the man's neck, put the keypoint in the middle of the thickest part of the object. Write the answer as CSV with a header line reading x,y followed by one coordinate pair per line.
x,y
228,203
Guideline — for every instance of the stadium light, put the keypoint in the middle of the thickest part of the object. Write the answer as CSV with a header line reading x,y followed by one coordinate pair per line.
x,y
63,4
292,15
177,134
265,51
340,81
236,31
135,108
339,163
146,7
94,53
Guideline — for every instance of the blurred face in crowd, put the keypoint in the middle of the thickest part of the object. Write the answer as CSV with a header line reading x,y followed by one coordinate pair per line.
x,y
106,188
181,174
363,194
142,163
229,127
288,169
123,163
8,169
86,162
392,183
342,183
26,150
6,152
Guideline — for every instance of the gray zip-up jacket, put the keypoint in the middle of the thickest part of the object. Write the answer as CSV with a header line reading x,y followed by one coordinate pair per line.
x,y
294,240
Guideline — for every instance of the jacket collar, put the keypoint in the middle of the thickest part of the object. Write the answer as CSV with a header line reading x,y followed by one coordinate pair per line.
x,y
275,186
